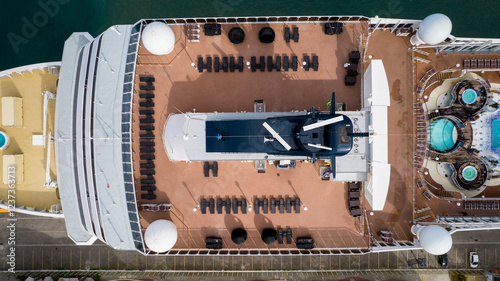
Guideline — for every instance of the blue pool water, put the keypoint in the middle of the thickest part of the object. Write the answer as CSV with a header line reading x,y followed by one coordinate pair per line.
x,y
469,96
2,140
469,173
495,134
443,135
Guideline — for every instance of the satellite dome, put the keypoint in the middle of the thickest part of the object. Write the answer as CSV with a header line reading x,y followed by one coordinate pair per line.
x,y
158,38
433,238
160,236
434,29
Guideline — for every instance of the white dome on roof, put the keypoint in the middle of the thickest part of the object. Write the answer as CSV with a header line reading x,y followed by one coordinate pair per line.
x,y
434,29
433,238
158,38
161,236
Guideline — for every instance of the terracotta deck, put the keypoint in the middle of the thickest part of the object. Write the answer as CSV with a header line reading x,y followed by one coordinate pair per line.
x,y
180,87
397,215
29,86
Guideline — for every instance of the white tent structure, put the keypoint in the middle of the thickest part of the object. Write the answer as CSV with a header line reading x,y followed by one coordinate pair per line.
x,y
376,99
160,236
158,38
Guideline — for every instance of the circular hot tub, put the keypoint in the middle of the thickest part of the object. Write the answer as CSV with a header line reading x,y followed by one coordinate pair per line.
x,y
469,173
469,96
4,140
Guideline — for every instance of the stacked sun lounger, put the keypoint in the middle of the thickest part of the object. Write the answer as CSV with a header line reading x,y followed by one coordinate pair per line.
x,y
214,167
213,243
354,203
146,137
305,243
223,205
352,68
332,28
272,204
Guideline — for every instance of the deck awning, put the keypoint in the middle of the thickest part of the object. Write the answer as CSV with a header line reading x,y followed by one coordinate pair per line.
x,y
376,98
378,185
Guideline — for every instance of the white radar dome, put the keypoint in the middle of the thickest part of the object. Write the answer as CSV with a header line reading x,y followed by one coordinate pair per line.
x,y
433,238
433,30
161,236
158,38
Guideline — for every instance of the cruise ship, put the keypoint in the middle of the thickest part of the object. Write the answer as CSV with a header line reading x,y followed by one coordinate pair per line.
x,y
259,135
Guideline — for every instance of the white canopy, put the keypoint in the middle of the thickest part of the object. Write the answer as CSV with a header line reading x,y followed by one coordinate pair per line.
x,y
376,98
378,185
161,236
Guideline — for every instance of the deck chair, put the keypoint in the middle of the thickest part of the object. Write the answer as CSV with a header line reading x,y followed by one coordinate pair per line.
x,y
288,205
265,205
211,206
203,205
287,34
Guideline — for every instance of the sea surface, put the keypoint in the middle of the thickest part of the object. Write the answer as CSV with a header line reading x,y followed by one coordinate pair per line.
x,y
34,31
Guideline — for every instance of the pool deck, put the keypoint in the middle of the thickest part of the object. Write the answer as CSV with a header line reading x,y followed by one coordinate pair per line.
x,y
29,86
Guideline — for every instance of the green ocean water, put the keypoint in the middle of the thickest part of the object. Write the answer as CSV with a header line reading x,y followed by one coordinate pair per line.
x,y
55,20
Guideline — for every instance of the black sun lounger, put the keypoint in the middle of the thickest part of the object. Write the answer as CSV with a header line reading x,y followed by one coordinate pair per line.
x,y
215,169
206,169
289,236
148,187
146,120
307,63
146,96
146,112
147,156
288,205
146,181
265,205
253,63
294,63
147,136
277,65
148,196
262,63
235,206
203,205
200,64
297,205
287,34
211,206
285,63
147,88
147,172
147,143
219,206
273,205
282,206
147,166
216,64
315,63
280,236
147,127
256,206
243,206
231,64
224,64
270,65
228,206
208,66
295,35
146,104
147,149
146,79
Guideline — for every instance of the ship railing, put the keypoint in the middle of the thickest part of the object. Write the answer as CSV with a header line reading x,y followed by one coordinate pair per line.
x,y
262,252
377,23
51,67
258,19
469,45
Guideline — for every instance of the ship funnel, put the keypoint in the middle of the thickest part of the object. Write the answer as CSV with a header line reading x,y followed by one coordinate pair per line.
x,y
433,30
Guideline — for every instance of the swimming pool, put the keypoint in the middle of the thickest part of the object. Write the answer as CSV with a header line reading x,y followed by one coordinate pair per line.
x,y
469,96
495,134
442,135
4,140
